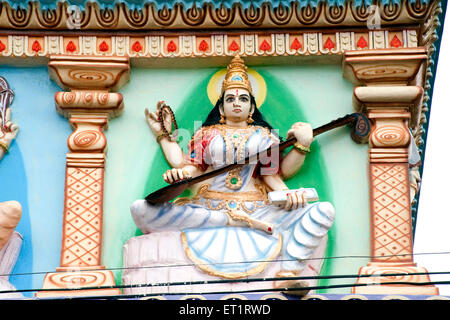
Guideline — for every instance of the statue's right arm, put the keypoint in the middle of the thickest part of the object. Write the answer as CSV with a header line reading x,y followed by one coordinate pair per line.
x,y
173,153
177,174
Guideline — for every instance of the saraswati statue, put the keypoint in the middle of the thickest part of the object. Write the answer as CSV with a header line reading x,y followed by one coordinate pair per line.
x,y
245,222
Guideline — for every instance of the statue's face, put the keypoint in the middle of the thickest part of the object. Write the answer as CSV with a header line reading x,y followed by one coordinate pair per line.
x,y
236,104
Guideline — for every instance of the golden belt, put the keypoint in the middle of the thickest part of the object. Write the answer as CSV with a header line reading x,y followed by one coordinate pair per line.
x,y
238,196
228,200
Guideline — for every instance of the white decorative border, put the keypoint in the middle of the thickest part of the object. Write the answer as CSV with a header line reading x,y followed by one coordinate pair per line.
x,y
218,45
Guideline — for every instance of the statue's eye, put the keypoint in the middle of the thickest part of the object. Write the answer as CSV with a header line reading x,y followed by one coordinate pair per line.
x,y
244,98
230,99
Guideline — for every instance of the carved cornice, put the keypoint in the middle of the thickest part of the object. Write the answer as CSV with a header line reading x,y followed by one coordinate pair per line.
x,y
207,15
199,45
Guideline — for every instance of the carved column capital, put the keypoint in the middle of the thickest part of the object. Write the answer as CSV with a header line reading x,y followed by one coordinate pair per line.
x,y
89,102
90,81
388,79
92,73
384,66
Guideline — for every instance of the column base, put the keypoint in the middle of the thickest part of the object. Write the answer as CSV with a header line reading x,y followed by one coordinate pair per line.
x,y
77,279
379,284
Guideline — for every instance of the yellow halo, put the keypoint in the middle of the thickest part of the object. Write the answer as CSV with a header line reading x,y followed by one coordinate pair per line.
x,y
257,81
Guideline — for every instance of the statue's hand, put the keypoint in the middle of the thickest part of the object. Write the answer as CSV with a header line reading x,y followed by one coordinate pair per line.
x,y
303,132
295,200
175,175
9,132
154,121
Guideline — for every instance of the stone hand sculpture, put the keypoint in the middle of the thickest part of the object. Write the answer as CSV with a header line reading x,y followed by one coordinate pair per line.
x,y
7,133
229,229
8,130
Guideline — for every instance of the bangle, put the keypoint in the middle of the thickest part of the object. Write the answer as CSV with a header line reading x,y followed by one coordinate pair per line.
x,y
4,146
301,148
160,136
186,174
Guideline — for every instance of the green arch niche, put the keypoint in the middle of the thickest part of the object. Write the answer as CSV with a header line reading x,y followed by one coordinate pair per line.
x,y
281,109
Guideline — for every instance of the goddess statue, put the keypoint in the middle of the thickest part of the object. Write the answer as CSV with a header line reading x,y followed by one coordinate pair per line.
x,y
230,229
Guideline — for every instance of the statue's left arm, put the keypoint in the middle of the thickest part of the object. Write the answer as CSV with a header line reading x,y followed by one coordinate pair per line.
x,y
294,159
294,200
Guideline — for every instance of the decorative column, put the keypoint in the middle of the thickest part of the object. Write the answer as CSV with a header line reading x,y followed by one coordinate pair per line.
x,y
88,105
388,89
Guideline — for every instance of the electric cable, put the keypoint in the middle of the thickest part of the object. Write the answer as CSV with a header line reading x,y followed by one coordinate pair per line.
x,y
236,262
245,280
323,277
283,290
287,290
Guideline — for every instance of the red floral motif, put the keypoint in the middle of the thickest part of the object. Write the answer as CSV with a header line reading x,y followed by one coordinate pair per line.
x,y
362,43
265,46
396,42
296,45
329,44
36,47
171,47
103,46
203,46
71,47
136,47
233,46
2,46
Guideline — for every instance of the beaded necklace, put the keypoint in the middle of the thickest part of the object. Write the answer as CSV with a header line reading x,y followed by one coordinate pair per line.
x,y
235,142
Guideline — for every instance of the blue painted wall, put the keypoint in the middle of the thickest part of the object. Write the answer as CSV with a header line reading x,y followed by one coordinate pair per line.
x,y
36,162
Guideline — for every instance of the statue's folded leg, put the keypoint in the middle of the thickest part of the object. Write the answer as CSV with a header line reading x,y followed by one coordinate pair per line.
x,y
149,218
304,246
302,230
302,237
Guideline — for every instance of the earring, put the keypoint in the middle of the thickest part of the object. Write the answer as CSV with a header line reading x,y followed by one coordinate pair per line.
x,y
222,119
250,119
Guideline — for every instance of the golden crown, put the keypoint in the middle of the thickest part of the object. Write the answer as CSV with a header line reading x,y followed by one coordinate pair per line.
x,y
236,76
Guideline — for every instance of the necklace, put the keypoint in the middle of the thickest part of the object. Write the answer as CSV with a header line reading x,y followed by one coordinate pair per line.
x,y
235,142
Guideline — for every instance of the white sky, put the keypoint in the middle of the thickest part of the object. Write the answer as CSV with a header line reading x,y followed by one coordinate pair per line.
x,y
433,221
